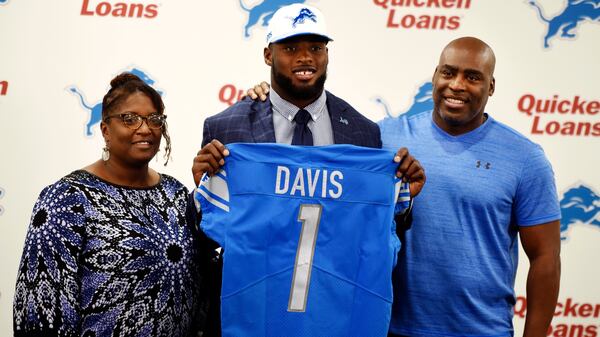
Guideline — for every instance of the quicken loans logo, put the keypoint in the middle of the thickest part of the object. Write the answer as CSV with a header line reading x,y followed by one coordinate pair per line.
x,y
3,88
229,94
119,9
3,2
442,14
557,116
572,317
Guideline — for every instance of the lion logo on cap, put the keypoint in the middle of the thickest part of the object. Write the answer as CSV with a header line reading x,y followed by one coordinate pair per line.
x,y
305,14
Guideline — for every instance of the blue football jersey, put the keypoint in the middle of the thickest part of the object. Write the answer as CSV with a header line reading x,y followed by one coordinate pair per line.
x,y
309,238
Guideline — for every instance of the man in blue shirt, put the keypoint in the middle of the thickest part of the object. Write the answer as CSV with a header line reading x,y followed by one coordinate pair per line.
x,y
486,184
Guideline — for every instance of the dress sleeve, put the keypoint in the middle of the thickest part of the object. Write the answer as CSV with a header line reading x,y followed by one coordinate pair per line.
x,y
46,301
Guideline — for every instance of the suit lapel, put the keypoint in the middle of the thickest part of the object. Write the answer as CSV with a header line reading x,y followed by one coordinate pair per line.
x,y
340,123
261,122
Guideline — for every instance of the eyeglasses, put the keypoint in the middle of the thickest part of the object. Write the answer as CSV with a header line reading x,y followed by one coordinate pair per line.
x,y
134,121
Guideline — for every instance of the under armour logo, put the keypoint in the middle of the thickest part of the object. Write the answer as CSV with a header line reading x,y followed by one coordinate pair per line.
x,y
343,121
487,165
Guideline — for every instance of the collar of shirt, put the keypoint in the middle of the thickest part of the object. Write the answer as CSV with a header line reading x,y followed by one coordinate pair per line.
x,y
289,110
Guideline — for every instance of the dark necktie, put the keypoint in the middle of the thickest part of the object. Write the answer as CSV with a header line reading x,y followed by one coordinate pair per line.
x,y
302,134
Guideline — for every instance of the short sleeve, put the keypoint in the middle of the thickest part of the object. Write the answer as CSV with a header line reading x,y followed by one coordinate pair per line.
x,y
536,200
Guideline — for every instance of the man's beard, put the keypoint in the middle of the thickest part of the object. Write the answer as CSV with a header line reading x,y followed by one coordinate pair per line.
x,y
296,92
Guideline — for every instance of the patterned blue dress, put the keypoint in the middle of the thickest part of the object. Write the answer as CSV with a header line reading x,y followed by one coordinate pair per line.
x,y
107,260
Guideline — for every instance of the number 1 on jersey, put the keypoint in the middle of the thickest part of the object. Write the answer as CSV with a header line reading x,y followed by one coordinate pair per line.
x,y
310,216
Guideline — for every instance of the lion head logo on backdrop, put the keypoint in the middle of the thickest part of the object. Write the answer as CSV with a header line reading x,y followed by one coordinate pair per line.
x,y
264,10
95,110
422,102
565,23
580,205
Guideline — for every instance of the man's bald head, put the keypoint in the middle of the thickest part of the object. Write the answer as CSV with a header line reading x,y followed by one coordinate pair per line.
x,y
469,44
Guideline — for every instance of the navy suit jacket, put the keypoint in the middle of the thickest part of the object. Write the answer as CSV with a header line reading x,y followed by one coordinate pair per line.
x,y
251,121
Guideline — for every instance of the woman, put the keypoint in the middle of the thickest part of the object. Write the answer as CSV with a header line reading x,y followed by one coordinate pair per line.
x,y
112,249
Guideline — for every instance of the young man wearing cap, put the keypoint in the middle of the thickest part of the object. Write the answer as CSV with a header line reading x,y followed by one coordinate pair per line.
x,y
299,111
297,54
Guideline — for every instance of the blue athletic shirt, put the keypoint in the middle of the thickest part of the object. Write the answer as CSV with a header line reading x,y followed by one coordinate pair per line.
x,y
456,271
309,238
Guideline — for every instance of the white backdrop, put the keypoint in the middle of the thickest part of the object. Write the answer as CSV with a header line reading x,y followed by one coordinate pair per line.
x,y
384,50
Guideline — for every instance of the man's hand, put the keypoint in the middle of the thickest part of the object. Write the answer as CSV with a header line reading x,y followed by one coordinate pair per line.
x,y
410,170
209,160
259,91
